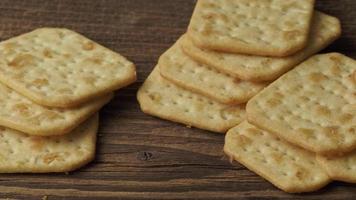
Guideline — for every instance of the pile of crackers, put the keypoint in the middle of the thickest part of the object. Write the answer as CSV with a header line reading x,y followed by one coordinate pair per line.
x,y
298,128
52,84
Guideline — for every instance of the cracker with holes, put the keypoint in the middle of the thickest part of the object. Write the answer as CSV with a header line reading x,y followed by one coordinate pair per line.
x,y
341,168
21,153
60,68
185,72
267,28
313,106
19,113
161,98
324,31
286,166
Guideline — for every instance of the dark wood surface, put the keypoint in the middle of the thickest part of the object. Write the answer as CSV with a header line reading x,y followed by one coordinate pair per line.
x,y
138,156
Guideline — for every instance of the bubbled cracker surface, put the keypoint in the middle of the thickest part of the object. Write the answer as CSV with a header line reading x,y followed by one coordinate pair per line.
x,y
60,68
201,78
22,153
258,27
341,168
289,167
163,99
19,113
312,106
325,29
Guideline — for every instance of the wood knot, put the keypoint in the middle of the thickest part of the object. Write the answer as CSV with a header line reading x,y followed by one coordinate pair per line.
x,y
144,155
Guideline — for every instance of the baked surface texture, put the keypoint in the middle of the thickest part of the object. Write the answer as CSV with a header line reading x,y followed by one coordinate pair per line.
x,y
20,113
257,27
161,98
58,67
325,30
288,167
21,153
312,106
179,68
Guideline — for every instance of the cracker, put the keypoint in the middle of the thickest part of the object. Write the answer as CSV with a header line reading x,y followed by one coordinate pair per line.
x,y
266,28
286,166
19,113
60,68
313,106
21,153
200,78
341,168
161,98
324,31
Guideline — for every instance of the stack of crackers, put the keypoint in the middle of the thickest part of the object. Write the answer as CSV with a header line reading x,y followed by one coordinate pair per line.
x,y
52,83
235,50
300,131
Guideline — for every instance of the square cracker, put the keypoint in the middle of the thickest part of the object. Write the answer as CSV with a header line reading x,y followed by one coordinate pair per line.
x,y
60,68
161,98
325,29
257,27
286,166
313,106
340,168
19,113
185,72
21,153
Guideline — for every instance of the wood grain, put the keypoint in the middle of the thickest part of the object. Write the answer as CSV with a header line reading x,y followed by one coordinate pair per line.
x,y
138,156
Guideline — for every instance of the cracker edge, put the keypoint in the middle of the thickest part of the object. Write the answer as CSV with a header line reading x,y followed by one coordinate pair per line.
x,y
93,127
253,118
288,189
60,129
222,99
229,100
335,175
141,97
240,47
69,102
249,75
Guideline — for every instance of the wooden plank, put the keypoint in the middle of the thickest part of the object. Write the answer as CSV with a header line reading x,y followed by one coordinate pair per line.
x,y
138,156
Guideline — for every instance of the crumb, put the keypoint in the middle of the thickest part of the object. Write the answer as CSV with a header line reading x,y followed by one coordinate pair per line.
x,y
45,197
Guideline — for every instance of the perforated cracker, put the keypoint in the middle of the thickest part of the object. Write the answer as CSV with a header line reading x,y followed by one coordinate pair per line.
x,y
257,27
185,72
60,68
312,106
161,98
21,153
288,167
341,168
19,113
325,29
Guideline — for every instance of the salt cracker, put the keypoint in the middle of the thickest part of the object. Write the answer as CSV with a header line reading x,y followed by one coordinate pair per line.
x,y
60,68
313,106
341,168
185,72
21,153
286,166
19,113
163,99
324,31
256,27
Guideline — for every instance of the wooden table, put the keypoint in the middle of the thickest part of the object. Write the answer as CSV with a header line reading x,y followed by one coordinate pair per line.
x,y
138,156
